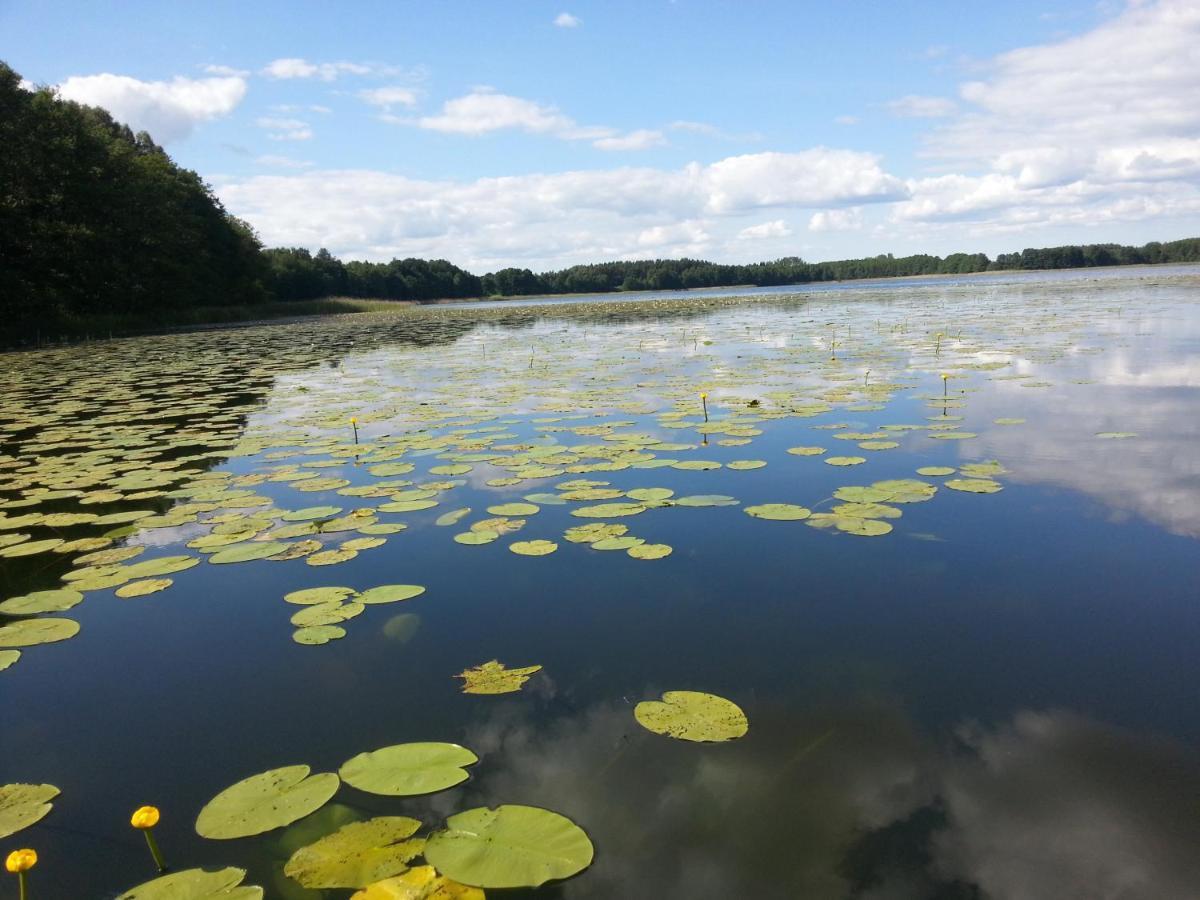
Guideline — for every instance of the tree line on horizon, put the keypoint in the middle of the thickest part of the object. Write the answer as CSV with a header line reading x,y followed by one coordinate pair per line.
x,y
96,220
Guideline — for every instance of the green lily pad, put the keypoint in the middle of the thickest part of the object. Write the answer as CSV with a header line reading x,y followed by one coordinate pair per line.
x,y
247,552
419,883
476,537
1009,421
399,506
533,548
608,510
692,716
779,512
406,770
1115,435
41,602
265,802
319,614
452,517
844,460
22,805
850,524
142,588
30,632
196,884
357,854
390,593
937,471
513,509
623,542
706,500
493,678
318,595
650,551
974,485
508,847
310,512
315,635
8,658
331,557
806,451
742,465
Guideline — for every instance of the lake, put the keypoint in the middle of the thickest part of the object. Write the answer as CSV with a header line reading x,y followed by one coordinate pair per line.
x,y
974,681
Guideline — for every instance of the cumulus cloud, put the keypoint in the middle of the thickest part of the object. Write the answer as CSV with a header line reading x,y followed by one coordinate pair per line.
x,y
836,220
169,110
773,229
295,67
566,20
641,139
555,219
1099,127
392,95
279,129
914,106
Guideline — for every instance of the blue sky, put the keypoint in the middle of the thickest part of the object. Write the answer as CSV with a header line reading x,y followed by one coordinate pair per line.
x,y
543,135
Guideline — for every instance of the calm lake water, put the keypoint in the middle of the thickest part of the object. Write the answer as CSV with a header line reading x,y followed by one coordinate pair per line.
x,y
996,698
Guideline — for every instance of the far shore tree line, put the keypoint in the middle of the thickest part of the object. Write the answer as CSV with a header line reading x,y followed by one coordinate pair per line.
x,y
97,222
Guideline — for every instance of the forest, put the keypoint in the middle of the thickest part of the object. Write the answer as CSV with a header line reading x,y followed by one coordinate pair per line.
x,y
97,222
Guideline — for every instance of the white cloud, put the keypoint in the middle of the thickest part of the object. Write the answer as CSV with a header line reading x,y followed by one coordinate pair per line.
x,y
773,229
392,95
485,110
1096,128
227,71
282,162
914,106
836,220
294,67
566,20
634,140
169,110
550,220
845,120
279,129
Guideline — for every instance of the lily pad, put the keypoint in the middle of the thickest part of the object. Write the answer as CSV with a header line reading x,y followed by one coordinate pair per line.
x,y
706,500
142,588
608,510
508,847
974,485
533,548
318,595
692,716
476,537
452,517
845,460
779,512
357,854
390,593
650,551
315,635
806,451
493,678
407,770
8,658
41,602
22,805
30,632
265,801
513,509
936,471
419,883
196,884
247,552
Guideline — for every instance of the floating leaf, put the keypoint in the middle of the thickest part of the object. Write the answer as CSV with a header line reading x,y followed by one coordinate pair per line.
x,y
608,510
41,602
806,451
265,801
406,770
1007,421
315,635
196,884
513,509
311,512
247,552
649,495
357,854
779,512
706,500
142,588
850,524
509,846
331,557
623,542
318,595
390,593
452,517
845,460
493,678
30,632
1115,435
8,658
419,883
533,548
974,485
21,805
650,551
692,716
476,537
936,470
741,465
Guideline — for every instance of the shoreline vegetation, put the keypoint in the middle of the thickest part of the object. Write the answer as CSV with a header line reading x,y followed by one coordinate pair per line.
x,y
102,234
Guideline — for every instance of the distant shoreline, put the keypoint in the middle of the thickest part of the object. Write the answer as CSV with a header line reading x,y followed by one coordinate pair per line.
x,y
281,312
